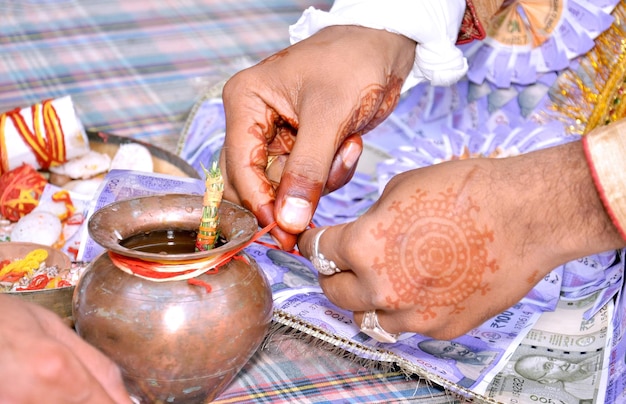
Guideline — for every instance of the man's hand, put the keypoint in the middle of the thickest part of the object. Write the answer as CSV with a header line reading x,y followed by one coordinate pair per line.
x,y
448,246
42,360
303,110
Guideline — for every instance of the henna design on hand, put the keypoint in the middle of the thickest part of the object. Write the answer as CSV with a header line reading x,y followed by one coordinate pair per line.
x,y
283,142
376,104
434,254
258,155
274,137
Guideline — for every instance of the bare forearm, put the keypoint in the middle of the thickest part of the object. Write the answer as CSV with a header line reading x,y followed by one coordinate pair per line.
x,y
555,203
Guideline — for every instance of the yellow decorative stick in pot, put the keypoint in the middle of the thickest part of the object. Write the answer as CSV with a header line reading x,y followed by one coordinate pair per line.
x,y
208,231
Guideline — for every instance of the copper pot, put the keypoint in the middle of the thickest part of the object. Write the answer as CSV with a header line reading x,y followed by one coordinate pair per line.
x,y
175,342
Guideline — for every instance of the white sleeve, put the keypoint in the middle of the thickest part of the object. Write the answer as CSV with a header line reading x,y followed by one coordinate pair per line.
x,y
433,24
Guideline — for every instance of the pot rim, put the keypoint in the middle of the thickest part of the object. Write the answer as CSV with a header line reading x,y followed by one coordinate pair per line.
x,y
168,212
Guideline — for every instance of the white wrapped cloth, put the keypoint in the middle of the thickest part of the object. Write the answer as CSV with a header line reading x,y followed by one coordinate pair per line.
x,y
42,135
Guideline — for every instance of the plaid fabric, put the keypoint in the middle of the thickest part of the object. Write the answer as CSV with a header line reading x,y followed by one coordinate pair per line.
x,y
135,68
292,370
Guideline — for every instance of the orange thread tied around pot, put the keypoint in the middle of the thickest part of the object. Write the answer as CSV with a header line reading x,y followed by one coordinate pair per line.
x,y
161,271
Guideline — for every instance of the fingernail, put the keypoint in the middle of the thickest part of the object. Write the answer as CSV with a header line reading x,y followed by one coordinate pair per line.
x,y
295,214
350,154
276,242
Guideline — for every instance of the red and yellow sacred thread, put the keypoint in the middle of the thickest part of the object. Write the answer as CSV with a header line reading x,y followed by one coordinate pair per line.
x,y
64,196
20,190
52,125
48,147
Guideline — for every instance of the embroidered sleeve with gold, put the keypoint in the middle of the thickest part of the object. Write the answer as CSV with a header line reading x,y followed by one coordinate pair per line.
x,y
476,19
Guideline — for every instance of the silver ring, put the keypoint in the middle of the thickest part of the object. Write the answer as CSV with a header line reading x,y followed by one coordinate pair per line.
x,y
324,266
372,328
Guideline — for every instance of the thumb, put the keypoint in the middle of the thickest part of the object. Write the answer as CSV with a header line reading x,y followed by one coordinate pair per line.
x,y
304,178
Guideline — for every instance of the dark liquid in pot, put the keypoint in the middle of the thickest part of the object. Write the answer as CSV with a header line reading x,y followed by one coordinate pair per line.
x,y
162,242
165,242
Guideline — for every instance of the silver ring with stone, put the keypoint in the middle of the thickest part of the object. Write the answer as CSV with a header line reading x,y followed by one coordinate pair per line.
x,y
372,328
320,263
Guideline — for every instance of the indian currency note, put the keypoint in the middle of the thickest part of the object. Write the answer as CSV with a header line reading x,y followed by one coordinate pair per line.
x,y
464,361
616,389
563,359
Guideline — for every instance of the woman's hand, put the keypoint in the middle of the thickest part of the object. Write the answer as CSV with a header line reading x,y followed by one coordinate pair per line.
x,y
42,360
294,121
448,246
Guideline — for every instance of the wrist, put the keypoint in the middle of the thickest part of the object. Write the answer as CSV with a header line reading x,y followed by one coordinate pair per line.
x,y
367,47
432,24
557,211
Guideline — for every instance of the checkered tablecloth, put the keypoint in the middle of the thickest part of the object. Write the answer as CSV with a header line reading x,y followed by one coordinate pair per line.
x,y
135,68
